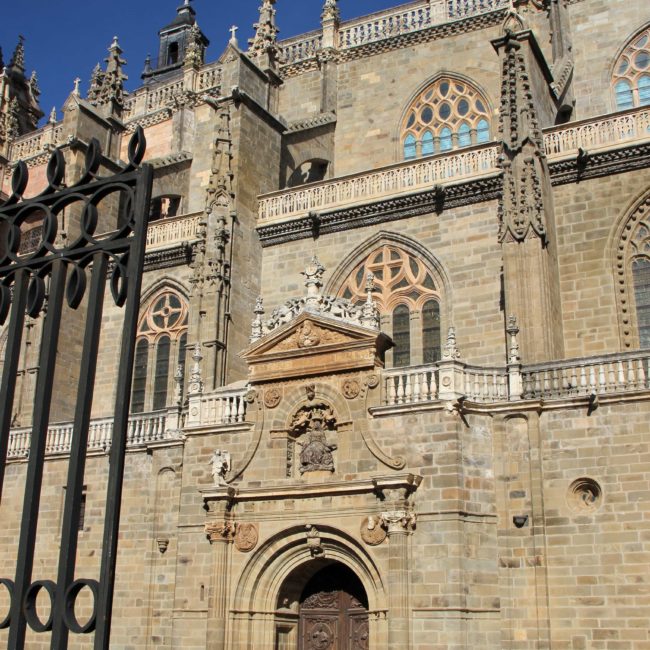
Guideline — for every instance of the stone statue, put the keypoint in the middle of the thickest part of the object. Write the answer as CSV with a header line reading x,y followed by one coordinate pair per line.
x,y
316,452
220,462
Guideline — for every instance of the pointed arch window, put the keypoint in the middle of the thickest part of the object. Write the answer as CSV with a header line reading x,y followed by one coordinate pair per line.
x,y
408,295
160,349
448,114
631,79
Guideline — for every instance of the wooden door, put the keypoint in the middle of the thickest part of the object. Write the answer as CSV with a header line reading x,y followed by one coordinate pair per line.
x,y
333,615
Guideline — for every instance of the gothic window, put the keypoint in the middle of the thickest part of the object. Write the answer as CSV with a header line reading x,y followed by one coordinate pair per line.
x,y
631,80
160,349
641,279
401,336
408,297
632,265
446,115
164,207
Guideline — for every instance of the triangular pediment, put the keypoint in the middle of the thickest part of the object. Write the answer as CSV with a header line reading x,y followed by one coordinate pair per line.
x,y
315,344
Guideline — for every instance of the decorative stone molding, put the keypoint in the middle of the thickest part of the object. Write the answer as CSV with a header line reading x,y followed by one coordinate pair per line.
x,y
350,389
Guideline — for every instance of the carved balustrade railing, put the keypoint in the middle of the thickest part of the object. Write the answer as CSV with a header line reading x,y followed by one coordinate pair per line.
x,y
386,24
209,77
174,230
614,373
219,407
144,428
611,374
599,132
152,98
383,25
300,48
36,142
389,181
410,385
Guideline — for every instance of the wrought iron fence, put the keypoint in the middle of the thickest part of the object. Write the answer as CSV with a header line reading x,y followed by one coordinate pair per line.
x,y
105,226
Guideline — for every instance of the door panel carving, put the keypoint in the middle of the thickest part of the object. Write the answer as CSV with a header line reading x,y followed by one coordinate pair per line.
x,y
333,615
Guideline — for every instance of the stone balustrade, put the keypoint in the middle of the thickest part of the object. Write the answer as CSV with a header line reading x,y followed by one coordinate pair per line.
x,y
220,407
386,24
143,429
300,48
608,374
599,132
612,374
35,143
172,231
397,179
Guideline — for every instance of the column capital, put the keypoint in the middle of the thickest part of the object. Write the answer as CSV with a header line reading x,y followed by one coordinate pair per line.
x,y
398,521
220,531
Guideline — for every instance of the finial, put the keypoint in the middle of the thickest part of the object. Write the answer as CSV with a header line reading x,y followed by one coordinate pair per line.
x,y
76,92
370,313
257,325
450,350
196,381
233,34
330,11
512,330
114,44
52,118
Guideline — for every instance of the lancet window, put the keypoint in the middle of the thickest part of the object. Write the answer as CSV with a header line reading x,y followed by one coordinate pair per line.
x,y
408,298
448,114
631,80
160,349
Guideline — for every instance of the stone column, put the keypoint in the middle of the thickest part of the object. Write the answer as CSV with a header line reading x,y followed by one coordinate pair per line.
x,y
399,524
221,534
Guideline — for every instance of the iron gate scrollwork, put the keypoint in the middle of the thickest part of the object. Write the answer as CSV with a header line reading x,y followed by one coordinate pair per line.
x,y
110,218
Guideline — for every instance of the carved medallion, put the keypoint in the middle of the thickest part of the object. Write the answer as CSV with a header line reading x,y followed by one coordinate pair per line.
x,y
320,635
372,381
246,537
251,396
272,397
372,532
351,389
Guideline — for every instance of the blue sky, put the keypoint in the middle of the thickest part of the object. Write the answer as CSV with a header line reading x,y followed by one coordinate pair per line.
x,y
66,38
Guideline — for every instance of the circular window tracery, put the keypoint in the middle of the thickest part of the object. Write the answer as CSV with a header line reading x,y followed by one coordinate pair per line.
x,y
447,114
166,314
400,278
631,80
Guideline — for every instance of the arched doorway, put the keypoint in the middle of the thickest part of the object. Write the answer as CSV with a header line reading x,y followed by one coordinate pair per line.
x,y
333,611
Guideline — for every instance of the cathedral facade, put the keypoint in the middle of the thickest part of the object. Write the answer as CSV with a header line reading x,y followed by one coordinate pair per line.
x,y
392,364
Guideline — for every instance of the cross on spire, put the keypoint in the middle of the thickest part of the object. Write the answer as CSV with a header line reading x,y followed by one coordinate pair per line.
x,y
233,33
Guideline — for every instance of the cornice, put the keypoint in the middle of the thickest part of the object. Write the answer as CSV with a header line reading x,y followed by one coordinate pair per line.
x,y
165,258
400,41
391,209
585,165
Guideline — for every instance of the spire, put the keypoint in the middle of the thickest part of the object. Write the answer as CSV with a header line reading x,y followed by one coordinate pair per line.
x,y
146,72
107,87
330,11
19,109
195,52
34,87
264,43
17,62
52,118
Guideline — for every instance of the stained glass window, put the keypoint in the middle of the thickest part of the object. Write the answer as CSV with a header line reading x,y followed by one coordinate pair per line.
x,y
631,81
